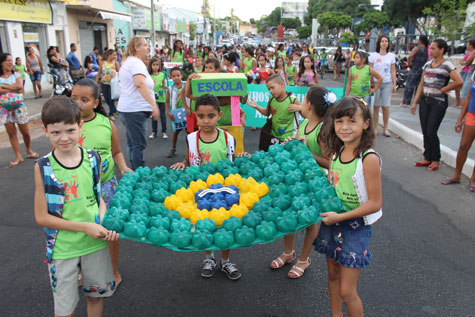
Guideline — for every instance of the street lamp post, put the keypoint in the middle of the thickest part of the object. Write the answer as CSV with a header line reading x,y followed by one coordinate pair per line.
x,y
152,37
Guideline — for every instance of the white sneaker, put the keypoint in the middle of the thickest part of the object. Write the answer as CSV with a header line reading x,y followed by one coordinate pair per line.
x,y
152,136
164,136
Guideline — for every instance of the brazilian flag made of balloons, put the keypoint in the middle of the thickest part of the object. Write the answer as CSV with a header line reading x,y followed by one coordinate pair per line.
x,y
253,200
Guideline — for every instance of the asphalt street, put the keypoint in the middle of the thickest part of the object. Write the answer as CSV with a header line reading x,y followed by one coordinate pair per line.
x,y
423,254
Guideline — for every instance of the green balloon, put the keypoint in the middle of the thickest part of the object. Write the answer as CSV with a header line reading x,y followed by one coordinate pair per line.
x,y
282,202
301,202
141,193
244,235
265,162
287,223
223,239
139,218
177,185
262,205
135,230
275,149
256,174
232,223
158,236
172,214
278,190
294,177
238,161
182,225
289,165
156,209
308,216
180,239
160,222
140,208
266,230
160,171
193,170
118,212
298,189
252,219
271,169
113,223
120,202
205,225
258,156
159,195
202,240
186,178
161,185
271,214
282,157
276,178
289,146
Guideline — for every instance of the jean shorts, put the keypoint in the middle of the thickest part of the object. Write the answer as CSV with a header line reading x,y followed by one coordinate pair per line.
x,y
382,96
466,84
36,76
347,243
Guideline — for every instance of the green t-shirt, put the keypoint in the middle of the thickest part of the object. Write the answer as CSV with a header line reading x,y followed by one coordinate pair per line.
x,y
283,121
324,56
341,178
158,86
290,74
214,151
281,53
312,137
176,57
360,81
20,69
226,117
80,205
247,61
96,134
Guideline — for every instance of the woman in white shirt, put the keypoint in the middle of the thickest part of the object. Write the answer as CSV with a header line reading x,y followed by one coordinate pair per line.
x,y
137,99
385,64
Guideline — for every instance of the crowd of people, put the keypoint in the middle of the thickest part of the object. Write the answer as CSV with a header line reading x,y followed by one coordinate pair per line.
x,y
339,134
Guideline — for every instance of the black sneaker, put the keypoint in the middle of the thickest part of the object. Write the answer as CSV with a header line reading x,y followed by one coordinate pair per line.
x,y
172,153
231,271
208,268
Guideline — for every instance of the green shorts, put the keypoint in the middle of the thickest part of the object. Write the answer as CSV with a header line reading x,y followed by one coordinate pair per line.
x,y
97,279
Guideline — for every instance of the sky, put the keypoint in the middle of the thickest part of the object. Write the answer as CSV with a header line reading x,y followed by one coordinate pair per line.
x,y
244,9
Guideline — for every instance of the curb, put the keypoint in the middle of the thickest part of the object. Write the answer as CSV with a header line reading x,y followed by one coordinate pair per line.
x,y
449,156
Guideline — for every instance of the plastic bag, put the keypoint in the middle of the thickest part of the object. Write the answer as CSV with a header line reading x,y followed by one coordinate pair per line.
x,y
115,92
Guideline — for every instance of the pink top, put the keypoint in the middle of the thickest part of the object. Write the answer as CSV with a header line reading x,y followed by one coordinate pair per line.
x,y
466,68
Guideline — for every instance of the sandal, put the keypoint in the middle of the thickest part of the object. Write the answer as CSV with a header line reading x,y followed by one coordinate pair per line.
x,y
449,181
282,260
297,270
422,163
471,188
13,164
433,167
33,156
387,133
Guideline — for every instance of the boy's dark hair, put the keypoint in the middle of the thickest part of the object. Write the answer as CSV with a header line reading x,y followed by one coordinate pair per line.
x,y
71,45
250,51
347,106
173,69
60,109
207,100
315,96
275,78
213,61
87,82
424,40
231,57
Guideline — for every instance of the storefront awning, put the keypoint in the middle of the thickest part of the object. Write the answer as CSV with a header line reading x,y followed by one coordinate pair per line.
x,y
115,16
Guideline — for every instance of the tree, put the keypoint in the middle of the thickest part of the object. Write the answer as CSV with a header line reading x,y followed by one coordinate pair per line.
x,y
399,11
291,23
252,21
192,27
304,32
449,18
273,19
347,37
374,19
334,20
353,8
205,9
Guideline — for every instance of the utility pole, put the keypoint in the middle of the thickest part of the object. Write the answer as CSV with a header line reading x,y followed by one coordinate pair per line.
x,y
152,37
214,24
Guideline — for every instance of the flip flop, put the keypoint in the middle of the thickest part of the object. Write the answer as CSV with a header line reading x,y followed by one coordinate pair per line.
x,y
421,163
433,168
387,133
13,164
448,181
33,156
471,188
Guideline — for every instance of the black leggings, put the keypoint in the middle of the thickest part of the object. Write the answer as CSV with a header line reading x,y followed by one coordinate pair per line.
x,y
163,119
431,114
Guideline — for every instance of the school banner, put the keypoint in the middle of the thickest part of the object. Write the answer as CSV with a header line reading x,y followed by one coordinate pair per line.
x,y
261,95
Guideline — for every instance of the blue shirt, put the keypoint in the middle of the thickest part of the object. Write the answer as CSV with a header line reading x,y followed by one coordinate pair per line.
x,y
73,61
94,61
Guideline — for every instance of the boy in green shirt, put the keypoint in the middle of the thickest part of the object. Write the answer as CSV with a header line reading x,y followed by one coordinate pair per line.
x,y
69,206
175,101
282,107
210,144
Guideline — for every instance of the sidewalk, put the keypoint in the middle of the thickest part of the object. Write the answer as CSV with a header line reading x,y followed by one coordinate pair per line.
x,y
402,123
408,127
